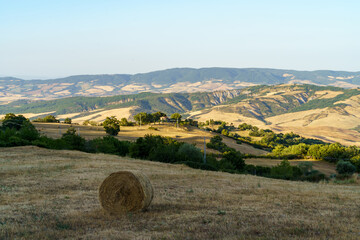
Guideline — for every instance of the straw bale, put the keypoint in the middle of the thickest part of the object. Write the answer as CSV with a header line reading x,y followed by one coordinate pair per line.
x,y
125,191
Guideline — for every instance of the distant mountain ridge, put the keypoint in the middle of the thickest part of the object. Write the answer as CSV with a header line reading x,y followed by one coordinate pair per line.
x,y
166,81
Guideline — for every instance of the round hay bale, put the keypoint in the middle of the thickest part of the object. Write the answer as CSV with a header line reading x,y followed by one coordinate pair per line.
x,y
125,191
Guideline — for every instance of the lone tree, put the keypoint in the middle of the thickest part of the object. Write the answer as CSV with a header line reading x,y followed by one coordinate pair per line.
x,y
112,125
176,116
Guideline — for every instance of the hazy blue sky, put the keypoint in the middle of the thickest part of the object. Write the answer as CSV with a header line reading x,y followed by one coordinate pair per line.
x,y
60,38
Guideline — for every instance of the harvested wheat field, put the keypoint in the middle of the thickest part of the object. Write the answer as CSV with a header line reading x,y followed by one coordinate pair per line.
x,y
52,194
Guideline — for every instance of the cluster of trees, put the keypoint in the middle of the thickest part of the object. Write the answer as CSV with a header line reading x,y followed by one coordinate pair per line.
x,y
269,139
89,122
329,152
302,172
48,119
145,118
282,171
17,131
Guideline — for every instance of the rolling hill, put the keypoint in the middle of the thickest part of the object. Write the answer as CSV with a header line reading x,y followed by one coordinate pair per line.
x,y
328,113
166,81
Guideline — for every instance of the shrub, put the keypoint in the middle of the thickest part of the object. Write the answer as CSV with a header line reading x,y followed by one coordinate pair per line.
x,y
142,147
49,119
257,170
225,132
72,140
188,152
13,122
217,144
28,132
356,162
197,165
108,144
125,122
51,143
12,135
164,153
306,167
235,158
285,171
67,120
345,167
314,176
112,125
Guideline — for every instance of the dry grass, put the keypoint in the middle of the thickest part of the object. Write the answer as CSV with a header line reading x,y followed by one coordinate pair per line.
x,y
50,194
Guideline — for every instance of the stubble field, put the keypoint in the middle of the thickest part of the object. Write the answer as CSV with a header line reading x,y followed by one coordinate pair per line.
x,y
53,194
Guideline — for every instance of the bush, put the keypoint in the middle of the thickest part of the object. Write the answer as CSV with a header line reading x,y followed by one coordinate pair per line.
x,y
188,152
306,167
48,119
108,144
314,176
72,140
345,167
164,153
12,135
125,122
13,122
67,120
356,162
203,166
28,132
112,125
285,171
235,158
217,144
257,170
142,147
51,143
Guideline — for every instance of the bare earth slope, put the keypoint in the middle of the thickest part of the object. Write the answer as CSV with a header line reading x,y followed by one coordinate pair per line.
x,y
50,194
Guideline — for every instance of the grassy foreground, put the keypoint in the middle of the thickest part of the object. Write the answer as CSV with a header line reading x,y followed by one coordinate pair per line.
x,y
52,194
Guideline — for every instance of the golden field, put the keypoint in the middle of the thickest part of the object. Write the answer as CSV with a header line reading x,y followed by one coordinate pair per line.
x,y
53,194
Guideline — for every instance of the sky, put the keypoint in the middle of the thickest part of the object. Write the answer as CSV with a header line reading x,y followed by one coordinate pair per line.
x,y
49,39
